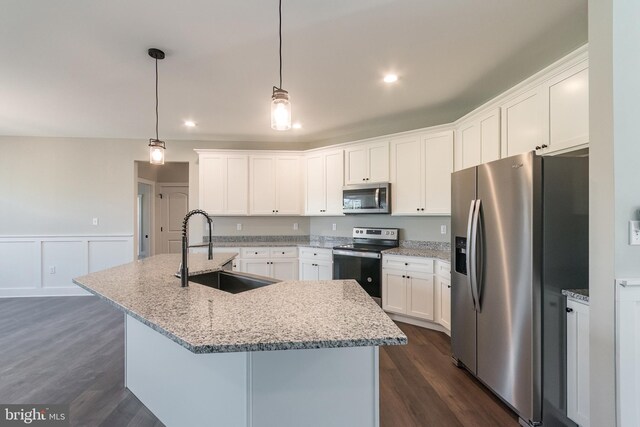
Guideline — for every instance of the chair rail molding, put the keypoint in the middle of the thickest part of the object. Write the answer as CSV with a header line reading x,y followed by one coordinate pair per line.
x,y
45,265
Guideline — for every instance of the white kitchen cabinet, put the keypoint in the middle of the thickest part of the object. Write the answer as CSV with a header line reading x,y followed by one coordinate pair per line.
x,y
478,140
275,185
444,297
522,124
223,185
408,286
421,167
278,262
324,179
578,362
316,264
367,163
566,121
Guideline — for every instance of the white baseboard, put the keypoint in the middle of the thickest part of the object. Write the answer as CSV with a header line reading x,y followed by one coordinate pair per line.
x,y
419,322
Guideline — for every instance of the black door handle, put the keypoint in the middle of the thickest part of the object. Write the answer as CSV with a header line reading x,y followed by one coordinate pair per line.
x,y
569,310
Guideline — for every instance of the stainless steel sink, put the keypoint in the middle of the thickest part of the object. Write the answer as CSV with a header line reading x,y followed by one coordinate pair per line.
x,y
231,281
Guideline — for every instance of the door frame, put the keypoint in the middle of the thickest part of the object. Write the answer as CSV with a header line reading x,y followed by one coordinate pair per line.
x,y
158,208
152,226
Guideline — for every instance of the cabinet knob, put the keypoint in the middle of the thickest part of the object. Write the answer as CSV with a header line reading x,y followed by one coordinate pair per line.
x,y
417,209
569,310
406,263
421,209
449,286
544,145
403,276
538,147
408,277
364,179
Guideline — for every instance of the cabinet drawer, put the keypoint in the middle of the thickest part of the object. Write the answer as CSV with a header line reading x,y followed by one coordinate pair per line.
x,y
288,252
423,265
254,253
316,254
443,269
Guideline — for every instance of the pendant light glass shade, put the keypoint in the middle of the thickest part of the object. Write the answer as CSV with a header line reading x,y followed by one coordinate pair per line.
x,y
156,152
280,110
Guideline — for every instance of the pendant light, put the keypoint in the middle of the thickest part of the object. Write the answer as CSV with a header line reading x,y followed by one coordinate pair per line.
x,y
156,147
280,105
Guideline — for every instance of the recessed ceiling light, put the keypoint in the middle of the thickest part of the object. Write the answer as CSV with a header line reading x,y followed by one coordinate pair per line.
x,y
190,123
297,126
390,78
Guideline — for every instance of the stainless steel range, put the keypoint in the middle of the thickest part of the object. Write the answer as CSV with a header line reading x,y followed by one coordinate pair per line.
x,y
362,259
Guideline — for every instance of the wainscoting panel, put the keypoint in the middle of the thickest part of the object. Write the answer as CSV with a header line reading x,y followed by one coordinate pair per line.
x,y
45,265
628,352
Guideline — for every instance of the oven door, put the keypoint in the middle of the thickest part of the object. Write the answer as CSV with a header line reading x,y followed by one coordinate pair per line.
x,y
365,267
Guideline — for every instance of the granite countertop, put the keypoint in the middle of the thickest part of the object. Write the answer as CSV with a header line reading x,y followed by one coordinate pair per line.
x,y
425,253
278,244
579,294
283,316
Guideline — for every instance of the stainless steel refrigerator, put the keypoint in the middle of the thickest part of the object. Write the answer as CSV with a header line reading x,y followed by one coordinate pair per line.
x,y
519,236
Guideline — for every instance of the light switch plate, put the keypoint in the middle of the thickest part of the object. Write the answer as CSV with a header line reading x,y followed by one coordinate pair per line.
x,y
443,229
95,221
634,233
239,227
334,227
295,225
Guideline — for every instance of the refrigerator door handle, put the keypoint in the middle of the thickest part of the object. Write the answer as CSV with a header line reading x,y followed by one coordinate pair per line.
x,y
476,261
471,256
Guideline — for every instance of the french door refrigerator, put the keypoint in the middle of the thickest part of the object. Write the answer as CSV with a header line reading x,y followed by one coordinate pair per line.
x,y
519,236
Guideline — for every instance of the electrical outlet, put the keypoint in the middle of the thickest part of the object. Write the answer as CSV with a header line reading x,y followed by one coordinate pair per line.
x,y
95,221
443,229
295,225
634,233
334,227
52,269
239,227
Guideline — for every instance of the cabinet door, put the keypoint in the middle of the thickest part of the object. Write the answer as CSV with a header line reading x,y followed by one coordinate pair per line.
x,y
237,185
445,302
308,270
438,161
420,295
256,266
315,198
522,123
284,269
470,145
578,362
212,184
394,291
334,180
356,165
406,169
378,159
567,98
288,187
325,270
489,125
263,185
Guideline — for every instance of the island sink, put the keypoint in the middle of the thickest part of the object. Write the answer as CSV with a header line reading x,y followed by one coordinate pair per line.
x,y
232,282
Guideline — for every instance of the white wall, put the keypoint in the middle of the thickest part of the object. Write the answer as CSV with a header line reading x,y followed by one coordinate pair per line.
x,y
614,181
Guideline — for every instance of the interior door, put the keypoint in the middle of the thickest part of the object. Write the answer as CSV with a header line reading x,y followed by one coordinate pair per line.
x,y
463,315
174,205
505,325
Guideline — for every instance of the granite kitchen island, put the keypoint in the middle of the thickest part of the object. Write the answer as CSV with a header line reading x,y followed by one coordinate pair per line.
x,y
288,354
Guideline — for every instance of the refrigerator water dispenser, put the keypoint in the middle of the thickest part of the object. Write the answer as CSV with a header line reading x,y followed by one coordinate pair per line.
x,y
461,255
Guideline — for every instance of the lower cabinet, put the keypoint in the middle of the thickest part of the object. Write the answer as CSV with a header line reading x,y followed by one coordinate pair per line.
x,y
578,362
315,264
279,263
411,287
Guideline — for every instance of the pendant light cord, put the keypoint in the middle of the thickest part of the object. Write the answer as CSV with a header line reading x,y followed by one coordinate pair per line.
x,y
280,36
157,138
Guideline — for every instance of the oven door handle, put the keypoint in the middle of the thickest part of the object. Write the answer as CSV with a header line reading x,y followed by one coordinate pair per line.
x,y
357,254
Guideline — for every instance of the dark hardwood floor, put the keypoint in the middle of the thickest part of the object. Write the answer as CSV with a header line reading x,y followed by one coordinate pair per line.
x,y
70,350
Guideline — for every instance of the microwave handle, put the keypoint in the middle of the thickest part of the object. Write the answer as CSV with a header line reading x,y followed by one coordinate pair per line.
x,y
378,197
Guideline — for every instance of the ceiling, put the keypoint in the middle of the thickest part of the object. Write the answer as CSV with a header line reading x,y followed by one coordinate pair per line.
x,y
80,68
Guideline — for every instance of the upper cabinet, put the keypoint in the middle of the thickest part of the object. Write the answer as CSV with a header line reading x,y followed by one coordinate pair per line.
x,y
566,121
367,163
478,140
522,123
275,187
421,167
324,180
224,183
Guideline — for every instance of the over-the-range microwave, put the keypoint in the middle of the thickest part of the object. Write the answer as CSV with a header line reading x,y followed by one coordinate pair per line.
x,y
366,199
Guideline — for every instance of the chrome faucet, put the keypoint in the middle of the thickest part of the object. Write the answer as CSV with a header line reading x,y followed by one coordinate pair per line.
x,y
184,270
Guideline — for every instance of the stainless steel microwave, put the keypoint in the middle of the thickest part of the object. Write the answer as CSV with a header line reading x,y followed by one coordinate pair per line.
x,y
367,198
